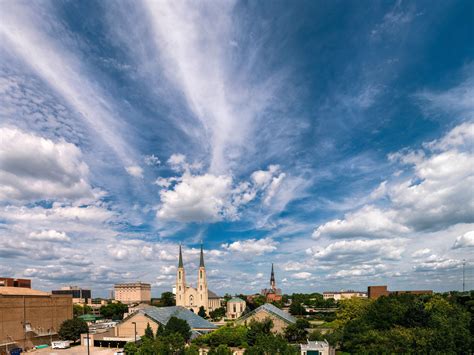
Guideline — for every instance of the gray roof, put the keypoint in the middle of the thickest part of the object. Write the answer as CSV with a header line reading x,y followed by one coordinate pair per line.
x,y
269,308
211,294
163,315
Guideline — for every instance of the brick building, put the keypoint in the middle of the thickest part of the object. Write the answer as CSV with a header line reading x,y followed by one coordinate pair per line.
x,y
9,282
30,317
375,292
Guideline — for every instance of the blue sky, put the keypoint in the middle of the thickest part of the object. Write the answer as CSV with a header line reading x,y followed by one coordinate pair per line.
x,y
333,138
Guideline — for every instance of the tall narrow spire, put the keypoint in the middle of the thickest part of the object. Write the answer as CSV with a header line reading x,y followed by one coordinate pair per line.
x,y
180,262
201,262
272,278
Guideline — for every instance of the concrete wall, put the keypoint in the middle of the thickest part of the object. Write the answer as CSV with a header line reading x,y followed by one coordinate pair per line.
x,y
279,325
126,329
44,314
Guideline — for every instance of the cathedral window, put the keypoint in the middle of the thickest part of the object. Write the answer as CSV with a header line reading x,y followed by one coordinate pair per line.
x,y
200,272
200,287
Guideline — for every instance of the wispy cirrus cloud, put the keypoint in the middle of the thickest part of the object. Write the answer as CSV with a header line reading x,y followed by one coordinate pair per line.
x,y
29,33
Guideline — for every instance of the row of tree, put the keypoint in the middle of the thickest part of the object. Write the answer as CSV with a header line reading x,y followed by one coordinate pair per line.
x,y
405,324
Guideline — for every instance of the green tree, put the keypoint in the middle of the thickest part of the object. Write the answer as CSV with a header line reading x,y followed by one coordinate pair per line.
x,y
114,311
222,349
167,299
270,344
297,332
72,329
217,313
297,309
180,326
160,330
233,336
79,310
149,332
257,329
191,350
170,344
202,312
131,348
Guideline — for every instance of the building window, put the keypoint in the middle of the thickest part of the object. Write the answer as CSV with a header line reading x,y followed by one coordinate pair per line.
x,y
179,273
235,308
200,287
200,273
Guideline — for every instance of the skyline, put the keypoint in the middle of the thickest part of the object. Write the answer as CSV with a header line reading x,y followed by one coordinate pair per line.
x,y
332,139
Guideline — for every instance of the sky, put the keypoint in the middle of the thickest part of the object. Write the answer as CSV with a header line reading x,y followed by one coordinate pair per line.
x,y
331,138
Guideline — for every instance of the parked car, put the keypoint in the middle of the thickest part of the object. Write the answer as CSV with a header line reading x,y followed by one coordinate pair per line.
x,y
119,352
63,344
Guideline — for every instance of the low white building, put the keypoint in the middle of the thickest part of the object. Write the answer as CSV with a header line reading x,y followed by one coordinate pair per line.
x,y
235,307
317,348
343,295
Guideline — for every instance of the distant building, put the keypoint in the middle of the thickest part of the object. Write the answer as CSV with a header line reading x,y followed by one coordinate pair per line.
x,y
280,318
9,282
30,317
124,331
235,307
342,295
375,292
130,293
317,348
193,298
272,294
79,295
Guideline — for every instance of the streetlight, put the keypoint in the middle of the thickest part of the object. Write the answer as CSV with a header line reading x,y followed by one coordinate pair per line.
x,y
88,340
135,334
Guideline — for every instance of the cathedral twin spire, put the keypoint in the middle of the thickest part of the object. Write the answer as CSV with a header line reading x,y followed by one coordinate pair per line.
x,y
180,260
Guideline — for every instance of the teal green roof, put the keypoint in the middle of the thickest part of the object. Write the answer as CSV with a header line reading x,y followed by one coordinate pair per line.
x,y
236,299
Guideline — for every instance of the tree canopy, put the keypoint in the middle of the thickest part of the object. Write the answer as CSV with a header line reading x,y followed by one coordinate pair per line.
x,y
72,329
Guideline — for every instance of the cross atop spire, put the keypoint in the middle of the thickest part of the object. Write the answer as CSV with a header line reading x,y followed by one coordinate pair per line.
x,y
180,262
201,262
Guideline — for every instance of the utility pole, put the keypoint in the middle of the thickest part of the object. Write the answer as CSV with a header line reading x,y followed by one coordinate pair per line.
x,y
463,275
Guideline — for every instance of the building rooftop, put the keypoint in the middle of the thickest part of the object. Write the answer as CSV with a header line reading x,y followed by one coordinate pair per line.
x,y
211,294
21,291
268,307
236,299
163,315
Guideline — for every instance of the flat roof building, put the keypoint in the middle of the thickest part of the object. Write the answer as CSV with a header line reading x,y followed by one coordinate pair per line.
x,y
375,292
342,295
10,282
130,293
30,317
79,295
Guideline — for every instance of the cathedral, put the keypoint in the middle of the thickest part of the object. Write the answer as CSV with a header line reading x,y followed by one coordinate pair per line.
x,y
193,298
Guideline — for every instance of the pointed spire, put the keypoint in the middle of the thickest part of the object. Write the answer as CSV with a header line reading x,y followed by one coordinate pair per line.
x,y
272,277
180,262
201,262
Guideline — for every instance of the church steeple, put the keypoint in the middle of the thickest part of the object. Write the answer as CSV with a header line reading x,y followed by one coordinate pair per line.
x,y
201,261
272,279
180,262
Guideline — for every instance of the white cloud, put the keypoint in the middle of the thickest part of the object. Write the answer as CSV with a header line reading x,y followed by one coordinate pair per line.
x,y
252,246
432,197
30,32
202,198
437,264
358,271
32,167
421,253
135,171
293,266
464,241
367,249
366,222
302,275
151,160
50,236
